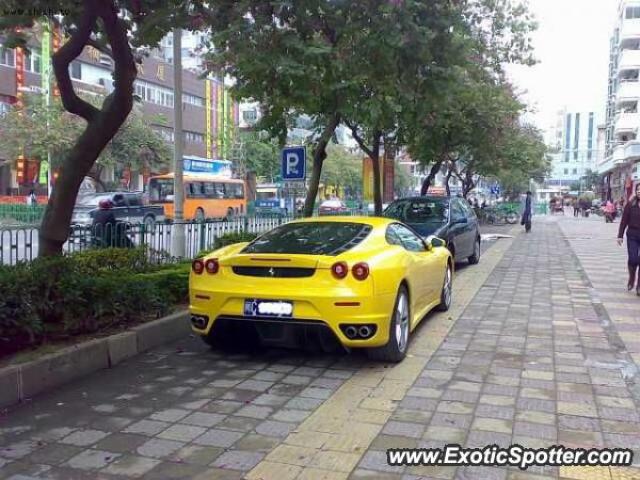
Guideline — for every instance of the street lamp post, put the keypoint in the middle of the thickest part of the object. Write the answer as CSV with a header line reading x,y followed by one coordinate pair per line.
x,y
178,235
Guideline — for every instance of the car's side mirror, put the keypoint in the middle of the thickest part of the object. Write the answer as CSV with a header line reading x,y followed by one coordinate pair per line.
x,y
433,241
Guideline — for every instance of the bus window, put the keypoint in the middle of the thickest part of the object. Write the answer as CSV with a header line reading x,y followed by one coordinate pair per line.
x,y
235,190
195,190
161,190
218,190
209,190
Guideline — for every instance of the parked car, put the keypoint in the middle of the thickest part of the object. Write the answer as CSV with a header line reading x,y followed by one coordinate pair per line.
x,y
449,218
363,281
127,207
332,207
371,208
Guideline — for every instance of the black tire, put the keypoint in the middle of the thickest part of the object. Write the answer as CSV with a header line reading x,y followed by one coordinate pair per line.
x,y
474,259
399,331
200,218
230,213
446,294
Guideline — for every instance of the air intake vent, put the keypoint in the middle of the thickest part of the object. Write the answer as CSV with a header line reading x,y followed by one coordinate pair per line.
x,y
274,272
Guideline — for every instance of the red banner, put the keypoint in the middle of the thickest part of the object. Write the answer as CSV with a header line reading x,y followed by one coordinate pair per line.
x,y
19,77
389,180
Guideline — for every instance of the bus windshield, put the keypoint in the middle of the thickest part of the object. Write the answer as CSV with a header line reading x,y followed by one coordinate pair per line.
x,y
161,190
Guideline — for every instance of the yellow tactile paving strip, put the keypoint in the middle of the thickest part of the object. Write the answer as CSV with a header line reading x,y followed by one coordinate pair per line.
x,y
329,444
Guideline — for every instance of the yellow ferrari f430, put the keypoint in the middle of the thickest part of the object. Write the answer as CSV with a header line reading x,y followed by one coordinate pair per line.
x,y
366,282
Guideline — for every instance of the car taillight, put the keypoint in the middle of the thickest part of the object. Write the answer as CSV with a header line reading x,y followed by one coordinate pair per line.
x,y
212,266
340,269
360,271
197,266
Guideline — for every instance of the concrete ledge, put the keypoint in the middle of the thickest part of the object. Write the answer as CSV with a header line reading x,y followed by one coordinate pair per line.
x,y
161,331
122,346
21,381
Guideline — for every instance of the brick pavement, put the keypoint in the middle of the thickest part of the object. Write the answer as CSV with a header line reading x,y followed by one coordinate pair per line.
x,y
527,355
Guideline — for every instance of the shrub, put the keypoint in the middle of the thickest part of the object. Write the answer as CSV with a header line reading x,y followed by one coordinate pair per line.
x,y
84,293
229,239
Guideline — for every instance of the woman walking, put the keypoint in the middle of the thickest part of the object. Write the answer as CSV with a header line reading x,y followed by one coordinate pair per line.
x,y
630,222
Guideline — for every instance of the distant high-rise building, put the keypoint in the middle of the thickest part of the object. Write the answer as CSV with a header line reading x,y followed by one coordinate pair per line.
x,y
572,141
619,164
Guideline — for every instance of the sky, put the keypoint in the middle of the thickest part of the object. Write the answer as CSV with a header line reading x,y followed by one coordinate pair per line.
x,y
572,46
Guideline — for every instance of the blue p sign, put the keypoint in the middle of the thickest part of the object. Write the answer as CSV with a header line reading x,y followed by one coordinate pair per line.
x,y
294,163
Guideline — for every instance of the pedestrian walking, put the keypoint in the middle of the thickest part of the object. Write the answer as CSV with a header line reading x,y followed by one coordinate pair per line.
x,y
609,211
527,211
630,222
32,200
576,208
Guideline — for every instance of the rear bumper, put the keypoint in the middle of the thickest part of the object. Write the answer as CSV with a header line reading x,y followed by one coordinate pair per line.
x,y
310,312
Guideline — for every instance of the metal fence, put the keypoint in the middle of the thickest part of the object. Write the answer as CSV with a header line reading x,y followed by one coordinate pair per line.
x,y
19,244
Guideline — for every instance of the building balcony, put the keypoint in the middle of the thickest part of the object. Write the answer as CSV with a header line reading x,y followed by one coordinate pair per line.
x,y
622,154
630,29
627,123
628,91
629,59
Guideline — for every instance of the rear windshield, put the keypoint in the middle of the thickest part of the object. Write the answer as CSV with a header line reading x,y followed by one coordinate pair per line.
x,y
313,238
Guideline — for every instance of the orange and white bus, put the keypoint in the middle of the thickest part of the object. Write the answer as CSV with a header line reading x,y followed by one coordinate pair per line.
x,y
205,195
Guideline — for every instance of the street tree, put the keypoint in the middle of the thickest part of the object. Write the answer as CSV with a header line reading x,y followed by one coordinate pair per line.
x,y
118,28
38,130
342,169
490,35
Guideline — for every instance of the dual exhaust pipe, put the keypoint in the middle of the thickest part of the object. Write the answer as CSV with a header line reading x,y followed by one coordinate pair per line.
x,y
358,332
199,321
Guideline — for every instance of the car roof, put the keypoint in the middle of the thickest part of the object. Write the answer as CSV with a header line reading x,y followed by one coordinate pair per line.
x,y
425,197
373,221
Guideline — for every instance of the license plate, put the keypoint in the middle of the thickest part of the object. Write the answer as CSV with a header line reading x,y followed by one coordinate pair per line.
x,y
268,308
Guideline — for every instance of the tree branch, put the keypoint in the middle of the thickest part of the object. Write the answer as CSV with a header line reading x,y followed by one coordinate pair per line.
x,y
359,140
101,47
63,58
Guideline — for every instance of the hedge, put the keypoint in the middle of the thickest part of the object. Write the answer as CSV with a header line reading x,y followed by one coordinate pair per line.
x,y
229,239
59,297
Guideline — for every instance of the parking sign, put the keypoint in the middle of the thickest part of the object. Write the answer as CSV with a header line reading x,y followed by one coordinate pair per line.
x,y
294,163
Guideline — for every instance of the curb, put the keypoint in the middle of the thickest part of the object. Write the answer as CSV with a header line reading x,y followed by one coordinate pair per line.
x,y
23,381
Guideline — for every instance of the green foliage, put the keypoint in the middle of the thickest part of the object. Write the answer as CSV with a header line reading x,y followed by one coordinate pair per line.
x,y
55,297
22,213
254,151
229,239
342,169
26,131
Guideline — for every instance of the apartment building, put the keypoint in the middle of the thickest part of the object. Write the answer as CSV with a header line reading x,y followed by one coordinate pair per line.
x,y
572,141
209,113
620,163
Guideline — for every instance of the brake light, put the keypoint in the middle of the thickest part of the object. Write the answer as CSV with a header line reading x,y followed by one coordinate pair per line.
x,y
197,266
360,271
212,266
339,270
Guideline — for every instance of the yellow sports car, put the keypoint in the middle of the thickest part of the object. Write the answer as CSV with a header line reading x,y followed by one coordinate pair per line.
x,y
366,282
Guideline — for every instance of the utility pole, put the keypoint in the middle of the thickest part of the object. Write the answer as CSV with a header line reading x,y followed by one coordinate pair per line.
x,y
178,235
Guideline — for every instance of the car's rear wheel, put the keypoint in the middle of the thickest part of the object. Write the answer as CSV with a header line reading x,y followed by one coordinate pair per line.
x,y
396,348
447,290
475,257
200,215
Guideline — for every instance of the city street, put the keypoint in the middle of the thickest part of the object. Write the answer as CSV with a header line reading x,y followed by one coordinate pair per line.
x,y
541,347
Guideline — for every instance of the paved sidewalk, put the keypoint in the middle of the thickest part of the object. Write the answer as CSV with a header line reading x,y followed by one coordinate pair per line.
x,y
528,354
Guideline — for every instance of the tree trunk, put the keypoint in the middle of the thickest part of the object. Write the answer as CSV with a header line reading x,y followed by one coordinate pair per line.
x,y
432,174
377,175
446,182
319,154
102,125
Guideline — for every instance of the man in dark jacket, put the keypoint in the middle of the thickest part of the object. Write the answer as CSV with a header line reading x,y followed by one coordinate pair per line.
x,y
104,224
526,208
630,222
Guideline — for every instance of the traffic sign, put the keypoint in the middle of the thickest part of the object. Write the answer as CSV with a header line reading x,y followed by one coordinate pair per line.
x,y
294,163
